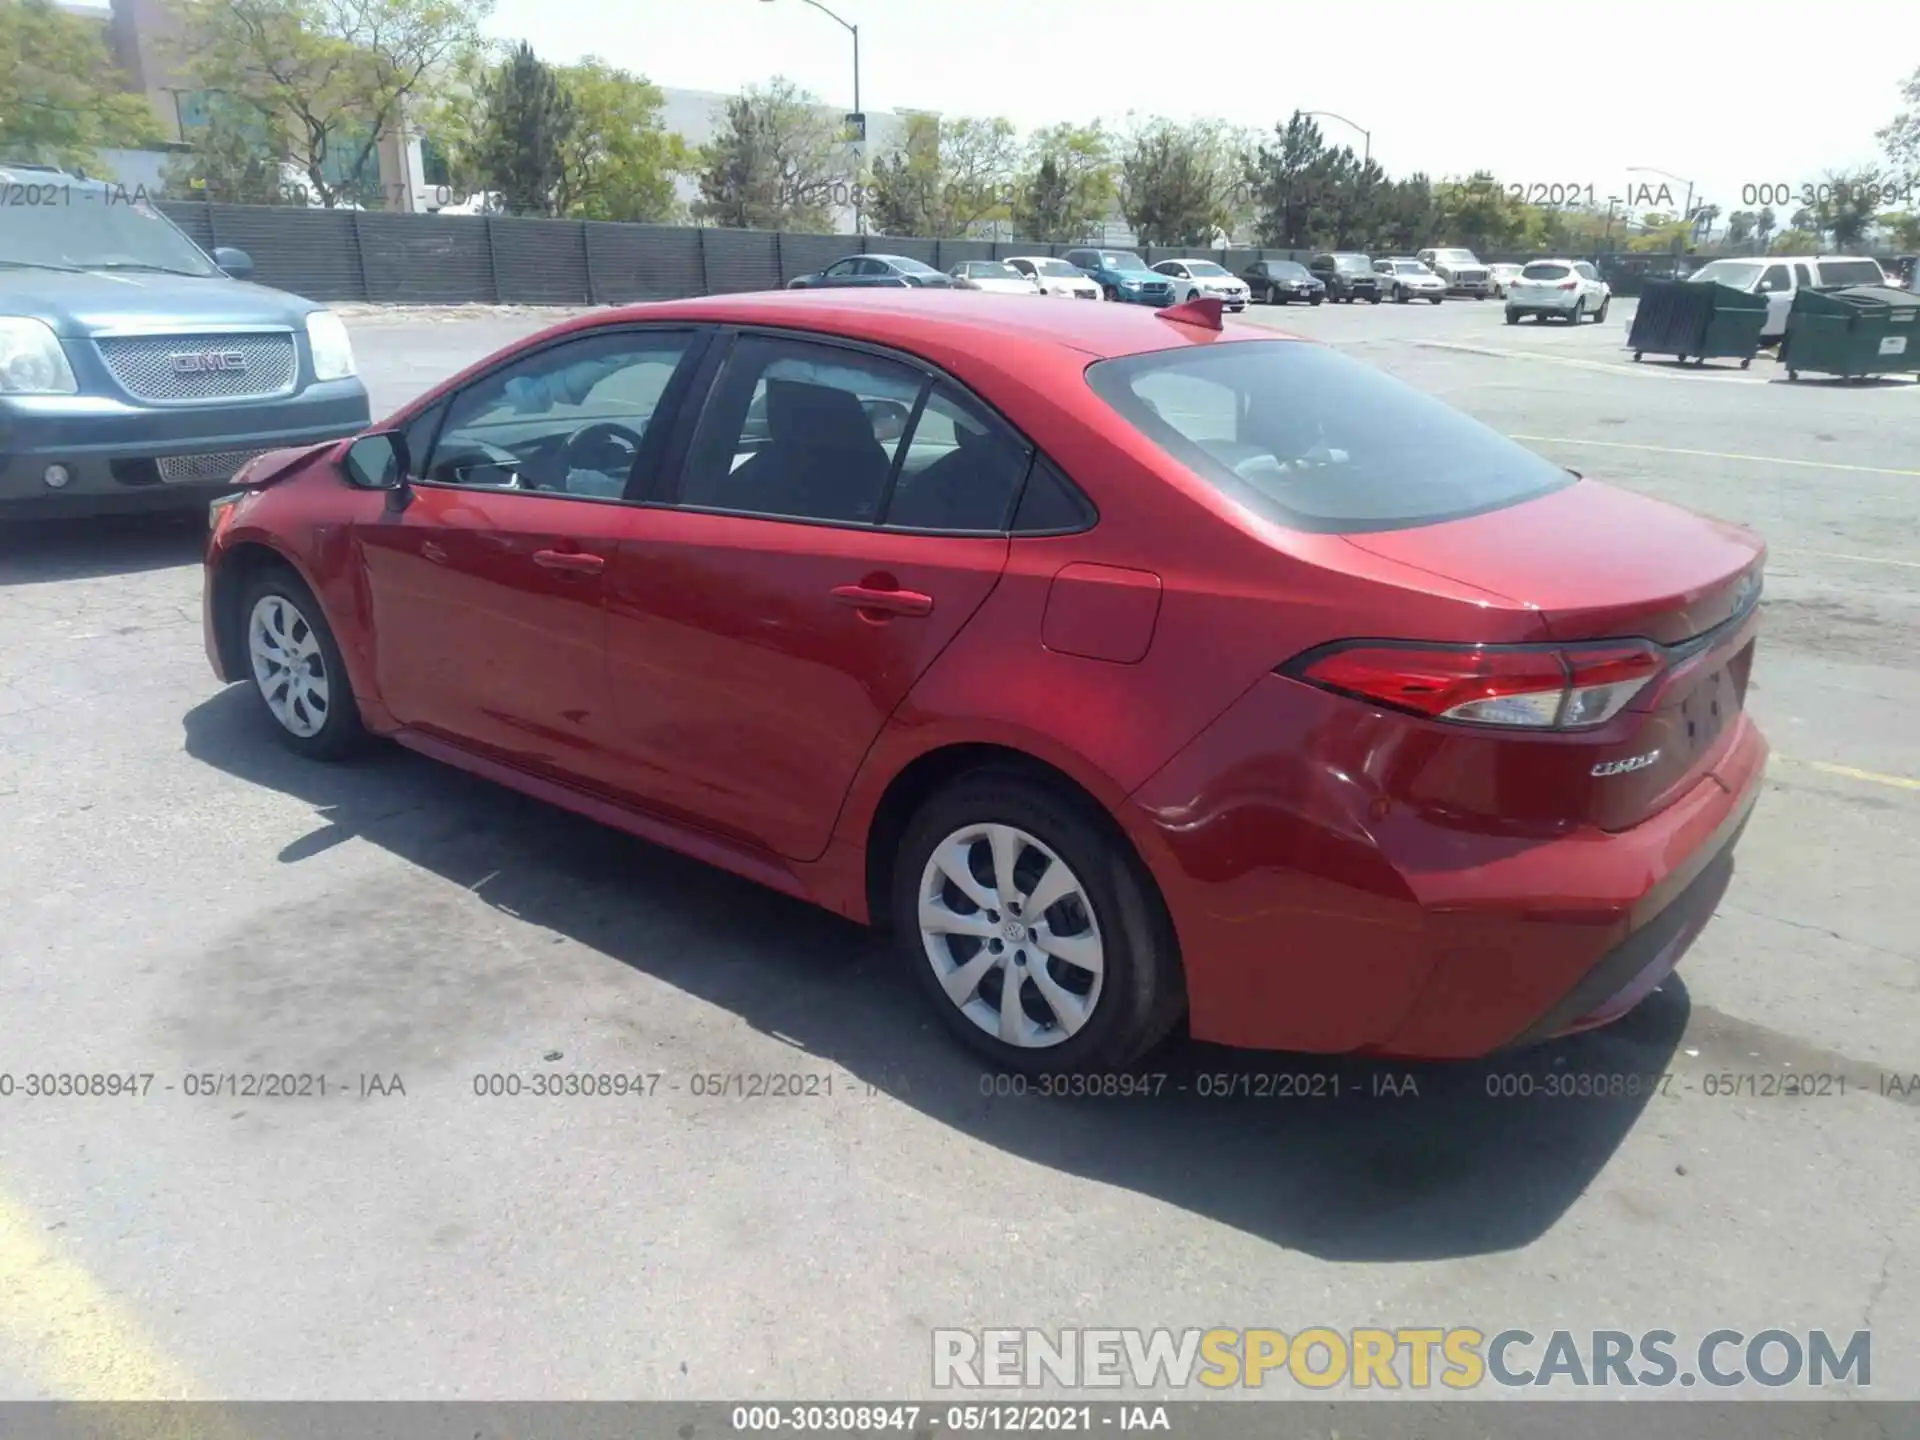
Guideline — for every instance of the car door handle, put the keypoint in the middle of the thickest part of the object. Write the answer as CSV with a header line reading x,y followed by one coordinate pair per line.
x,y
569,560
890,602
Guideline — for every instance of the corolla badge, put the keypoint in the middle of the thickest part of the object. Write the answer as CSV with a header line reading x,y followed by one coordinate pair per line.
x,y
1625,767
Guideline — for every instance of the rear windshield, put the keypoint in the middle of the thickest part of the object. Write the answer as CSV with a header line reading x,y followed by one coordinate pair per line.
x,y
1850,272
906,264
1545,272
1314,440
1058,267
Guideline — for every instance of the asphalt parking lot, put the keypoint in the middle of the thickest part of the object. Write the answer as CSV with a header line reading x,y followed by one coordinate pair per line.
x,y
182,897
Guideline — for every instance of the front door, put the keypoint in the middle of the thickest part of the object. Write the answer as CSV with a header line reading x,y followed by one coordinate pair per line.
x,y
763,630
489,588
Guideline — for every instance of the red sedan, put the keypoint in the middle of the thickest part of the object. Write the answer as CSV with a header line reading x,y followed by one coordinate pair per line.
x,y
1123,664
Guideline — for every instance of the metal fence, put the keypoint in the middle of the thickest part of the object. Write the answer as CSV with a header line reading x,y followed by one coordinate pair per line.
x,y
336,255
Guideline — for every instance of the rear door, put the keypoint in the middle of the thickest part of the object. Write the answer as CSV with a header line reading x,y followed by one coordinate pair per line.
x,y
488,589
764,628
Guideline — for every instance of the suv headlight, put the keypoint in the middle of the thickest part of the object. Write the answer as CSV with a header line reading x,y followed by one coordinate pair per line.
x,y
31,360
332,350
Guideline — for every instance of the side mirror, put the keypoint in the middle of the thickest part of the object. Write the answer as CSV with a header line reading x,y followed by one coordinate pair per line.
x,y
237,263
377,462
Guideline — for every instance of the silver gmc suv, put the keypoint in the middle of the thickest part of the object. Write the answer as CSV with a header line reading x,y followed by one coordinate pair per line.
x,y
1462,271
135,372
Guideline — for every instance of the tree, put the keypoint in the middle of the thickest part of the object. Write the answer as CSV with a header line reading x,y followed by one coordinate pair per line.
x,y
1287,183
1903,229
947,177
1177,182
620,161
335,77
1901,138
1066,187
1482,214
1740,227
1763,226
230,161
1795,242
775,163
1844,208
61,98
529,119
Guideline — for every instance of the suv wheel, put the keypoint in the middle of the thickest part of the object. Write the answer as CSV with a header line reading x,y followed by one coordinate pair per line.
x,y
1579,311
1031,931
1601,314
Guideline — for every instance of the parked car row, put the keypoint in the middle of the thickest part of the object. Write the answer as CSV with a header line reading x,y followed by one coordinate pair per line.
x,y
1123,276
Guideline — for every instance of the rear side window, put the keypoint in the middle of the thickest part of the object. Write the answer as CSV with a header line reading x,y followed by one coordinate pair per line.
x,y
1544,272
1311,439
1850,272
961,471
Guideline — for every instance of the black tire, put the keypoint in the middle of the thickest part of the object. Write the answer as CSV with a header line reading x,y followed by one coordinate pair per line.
x,y
1375,298
1600,315
1513,317
1317,299
1747,363
1638,355
1435,299
1143,993
342,731
1400,296
1579,311
1108,292
1793,374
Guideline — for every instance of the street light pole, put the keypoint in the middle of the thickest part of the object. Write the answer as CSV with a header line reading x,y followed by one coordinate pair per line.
x,y
859,218
1366,136
1678,179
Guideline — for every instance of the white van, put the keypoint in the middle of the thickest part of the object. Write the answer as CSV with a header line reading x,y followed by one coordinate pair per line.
x,y
1781,277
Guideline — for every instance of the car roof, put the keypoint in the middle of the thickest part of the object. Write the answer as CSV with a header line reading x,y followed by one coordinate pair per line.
x,y
922,321
1556,260
17,172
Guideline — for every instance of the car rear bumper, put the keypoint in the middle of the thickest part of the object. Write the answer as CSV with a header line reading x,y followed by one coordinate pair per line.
x,y
122,458
1314,915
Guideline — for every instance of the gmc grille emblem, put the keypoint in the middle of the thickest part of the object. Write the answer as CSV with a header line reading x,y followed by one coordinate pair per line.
x,y
207,362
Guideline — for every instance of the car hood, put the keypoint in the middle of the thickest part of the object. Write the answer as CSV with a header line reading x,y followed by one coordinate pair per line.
x,y
1003,285
78,305
1140,277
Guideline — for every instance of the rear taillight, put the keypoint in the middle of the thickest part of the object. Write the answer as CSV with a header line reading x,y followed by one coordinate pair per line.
x,y
1528,686
1569,284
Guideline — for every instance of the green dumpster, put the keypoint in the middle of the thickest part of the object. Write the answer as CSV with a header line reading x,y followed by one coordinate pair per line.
x,y
1861,330
1699,320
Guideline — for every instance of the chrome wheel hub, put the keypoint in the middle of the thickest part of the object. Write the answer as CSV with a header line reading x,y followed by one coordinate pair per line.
x,y
1011,935
288,666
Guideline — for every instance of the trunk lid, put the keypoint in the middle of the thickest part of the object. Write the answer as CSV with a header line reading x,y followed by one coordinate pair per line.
x,y
1602,564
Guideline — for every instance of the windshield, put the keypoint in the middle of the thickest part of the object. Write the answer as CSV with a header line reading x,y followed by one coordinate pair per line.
x,y
1410,267
1314,440
1122,260
1545,272
1059,268
97,230
1728,272
1353,262
992,270
1450,256
1204,267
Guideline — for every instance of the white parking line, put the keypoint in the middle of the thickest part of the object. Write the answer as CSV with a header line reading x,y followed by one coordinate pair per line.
x,y
1640,371
1717,455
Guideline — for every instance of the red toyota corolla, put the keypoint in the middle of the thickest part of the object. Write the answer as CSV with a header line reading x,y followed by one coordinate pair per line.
x,y
1122,664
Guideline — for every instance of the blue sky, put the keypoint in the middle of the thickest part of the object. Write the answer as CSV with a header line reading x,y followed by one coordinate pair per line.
x,y
1568,95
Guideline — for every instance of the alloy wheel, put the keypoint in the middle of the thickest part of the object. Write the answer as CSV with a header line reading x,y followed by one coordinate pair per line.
x,y
288,665
1011,935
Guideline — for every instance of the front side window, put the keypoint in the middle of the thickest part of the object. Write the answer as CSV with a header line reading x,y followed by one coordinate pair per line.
x,y
1314,440
1776,279
1728,272
801,431
572,419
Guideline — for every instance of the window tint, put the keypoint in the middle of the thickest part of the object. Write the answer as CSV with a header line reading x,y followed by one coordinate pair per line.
x,y
419,437
1802,275
1850,272
961,471
569,419
1586,271
1051,503
843,267
1315,440
802,431
1542,271
1776,278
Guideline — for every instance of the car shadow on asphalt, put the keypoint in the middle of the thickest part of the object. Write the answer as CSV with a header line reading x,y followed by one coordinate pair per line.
x,y
1356,1161
36,552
